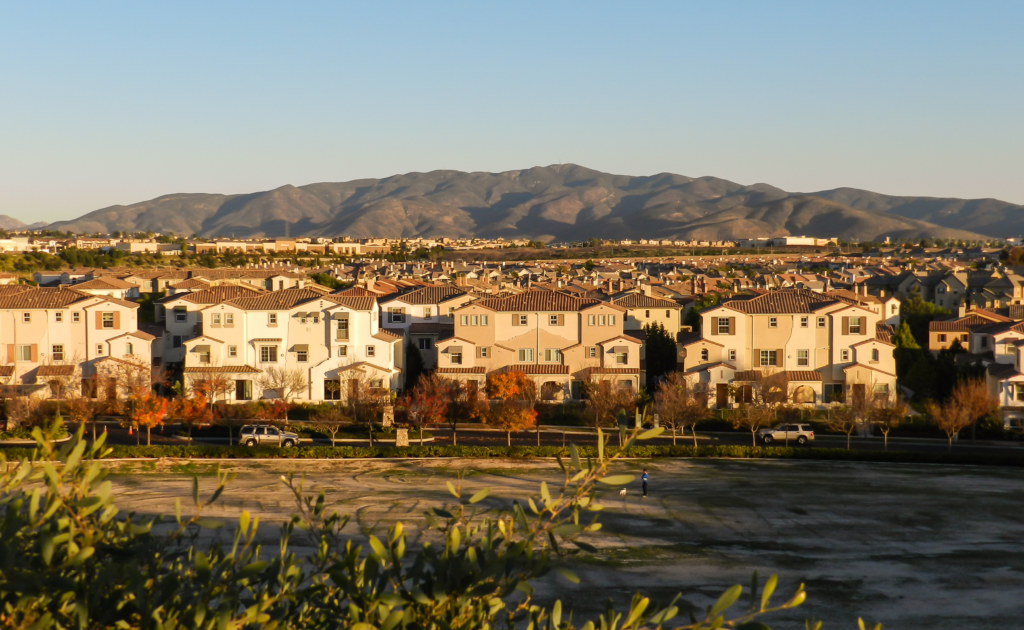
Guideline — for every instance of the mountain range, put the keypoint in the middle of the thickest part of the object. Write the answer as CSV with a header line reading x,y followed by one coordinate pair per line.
x,y
562,202
10,223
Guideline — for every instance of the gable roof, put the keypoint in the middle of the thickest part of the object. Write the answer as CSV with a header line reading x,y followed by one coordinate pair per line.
x,y
536,300
428,295
639,300
783,301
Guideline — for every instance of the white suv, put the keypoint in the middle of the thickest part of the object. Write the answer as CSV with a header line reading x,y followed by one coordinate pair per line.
x,y
799,433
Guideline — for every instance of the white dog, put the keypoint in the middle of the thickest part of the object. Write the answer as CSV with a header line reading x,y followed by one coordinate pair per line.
x,y
622,492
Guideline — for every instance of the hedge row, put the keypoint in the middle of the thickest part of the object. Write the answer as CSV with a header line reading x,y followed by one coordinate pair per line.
x,y
526,452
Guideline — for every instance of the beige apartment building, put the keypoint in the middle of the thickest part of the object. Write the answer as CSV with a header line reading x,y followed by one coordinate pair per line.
x,y
51,332
827,347
424,316
330,340
642,310
558,340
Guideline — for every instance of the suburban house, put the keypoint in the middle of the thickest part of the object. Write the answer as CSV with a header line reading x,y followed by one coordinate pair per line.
x,y
424,316
943,333
558,340
332,341
826,347
58,335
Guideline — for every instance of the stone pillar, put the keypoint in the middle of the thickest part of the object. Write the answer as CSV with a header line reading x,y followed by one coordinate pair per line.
x,y
389,416
402,437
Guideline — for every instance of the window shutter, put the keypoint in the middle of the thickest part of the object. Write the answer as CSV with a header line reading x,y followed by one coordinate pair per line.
x,y
714,325
732,325
515,319
780,357
846,325
117,320
10,353
35,353
561,320
99,320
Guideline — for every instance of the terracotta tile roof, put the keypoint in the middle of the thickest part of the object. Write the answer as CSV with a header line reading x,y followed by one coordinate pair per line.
x,y
1016,311
213,295
536,300
606,370
358,292
639,300
961,324
353,302
789,375
387,335
55,370
6,370
802,375
783,301
235,369
267,339
465,370
428,295
103,284
884,332
276,300
42,298
424,328
191,283
536,368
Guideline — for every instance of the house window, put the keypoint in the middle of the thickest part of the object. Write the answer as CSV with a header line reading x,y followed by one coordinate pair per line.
x,y
180,315
855,326
316,318
204,355
592,352
821,322
58,317
942,338
769,358
451,311
552,355
108,320
984,342
233,352
723,325
342,351
22,353
176,341
625,384
57,352
215,319
773,322
526,355
377,383
268,354
590,320
76,317
302,356
892,309
455,358
474,320
964,337
484,352
272,319
229,320
483,320
332,389
803,321
704,354
464,320
732,355
1018,391
621,358
522,320
874,355
425,343
832,392
99,349
371,351
26,317
343,329
427,312
129,348
397,315
611,320
600,320
844,355
803,358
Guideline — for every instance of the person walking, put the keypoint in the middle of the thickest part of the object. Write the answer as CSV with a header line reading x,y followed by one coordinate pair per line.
x,y
644,479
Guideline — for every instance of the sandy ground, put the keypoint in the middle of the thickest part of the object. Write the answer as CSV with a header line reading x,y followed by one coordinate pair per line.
x,y
910,546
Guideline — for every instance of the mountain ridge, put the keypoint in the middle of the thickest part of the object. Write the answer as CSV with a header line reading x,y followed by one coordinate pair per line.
x,y
556,203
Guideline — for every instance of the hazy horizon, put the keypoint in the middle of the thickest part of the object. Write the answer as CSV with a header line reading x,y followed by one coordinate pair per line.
x,y
118,103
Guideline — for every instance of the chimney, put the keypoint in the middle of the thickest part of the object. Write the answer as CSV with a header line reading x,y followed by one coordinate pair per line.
x,y
961,310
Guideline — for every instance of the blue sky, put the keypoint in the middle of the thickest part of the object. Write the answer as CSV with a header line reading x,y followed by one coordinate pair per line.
x,y
104,102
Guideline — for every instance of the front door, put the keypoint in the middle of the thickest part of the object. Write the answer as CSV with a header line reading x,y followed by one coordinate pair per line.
x,y
243,390
722,395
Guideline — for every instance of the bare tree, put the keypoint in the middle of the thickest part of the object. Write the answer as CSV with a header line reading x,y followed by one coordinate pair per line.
x,y
843,419
969,401
680,403
331,420
606,401
752,418
885,411
286,382
365,397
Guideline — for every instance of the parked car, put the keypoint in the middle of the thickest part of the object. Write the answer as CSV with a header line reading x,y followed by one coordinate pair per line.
x,y
799,433
265,435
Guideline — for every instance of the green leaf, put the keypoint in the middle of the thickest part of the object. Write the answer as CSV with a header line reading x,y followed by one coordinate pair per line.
x,y
635,613
616,480
544,494
727,599
567,529
195,491
650,433
600,445
254,567
480,496
209,523
769,588
451,488
569,575
574,453
585,546
378,547
556,614
443,513
664,615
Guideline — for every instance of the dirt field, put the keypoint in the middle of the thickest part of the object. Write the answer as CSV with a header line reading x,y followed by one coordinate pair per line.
x,y
910,546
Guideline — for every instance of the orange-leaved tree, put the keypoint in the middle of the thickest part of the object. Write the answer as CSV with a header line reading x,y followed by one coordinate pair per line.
x,y
429,401
148,410
513,409
193,411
